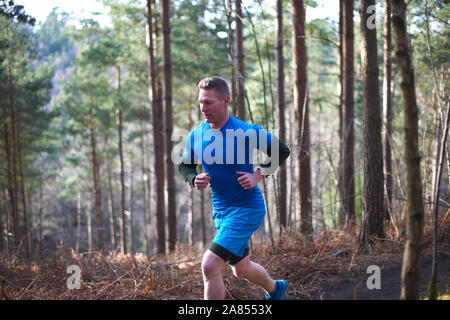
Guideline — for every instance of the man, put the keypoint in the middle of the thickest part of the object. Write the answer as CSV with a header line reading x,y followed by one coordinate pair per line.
x,y
225,146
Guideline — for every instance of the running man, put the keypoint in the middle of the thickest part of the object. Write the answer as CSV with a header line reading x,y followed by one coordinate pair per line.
x,y
224,145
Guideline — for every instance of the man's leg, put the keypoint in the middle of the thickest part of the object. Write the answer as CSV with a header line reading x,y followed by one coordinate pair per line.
x,y
212,266
254,273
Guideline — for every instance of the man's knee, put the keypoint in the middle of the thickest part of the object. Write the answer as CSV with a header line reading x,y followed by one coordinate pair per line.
x,y
211,266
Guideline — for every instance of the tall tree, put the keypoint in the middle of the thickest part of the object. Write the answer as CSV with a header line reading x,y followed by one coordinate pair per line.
x,y
414,202
158,137
387,106
168,112
12,92
240,79
302,115
282,194
439,155
340,62
347,186
26,231
119,123
373,202
96,175
231,58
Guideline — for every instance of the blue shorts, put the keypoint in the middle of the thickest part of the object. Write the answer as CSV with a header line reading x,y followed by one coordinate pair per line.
x,y
234,227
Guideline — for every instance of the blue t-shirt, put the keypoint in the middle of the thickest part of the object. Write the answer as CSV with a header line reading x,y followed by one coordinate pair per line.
x,y
224,152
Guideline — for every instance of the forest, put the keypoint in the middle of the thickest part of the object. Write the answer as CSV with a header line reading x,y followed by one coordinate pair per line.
x,y
92,116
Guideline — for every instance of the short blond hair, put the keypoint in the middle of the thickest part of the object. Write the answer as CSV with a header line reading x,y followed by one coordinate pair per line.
x,y
219,85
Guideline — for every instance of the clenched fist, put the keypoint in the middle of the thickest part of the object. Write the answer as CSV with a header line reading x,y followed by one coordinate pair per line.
x,y
201,181
249,180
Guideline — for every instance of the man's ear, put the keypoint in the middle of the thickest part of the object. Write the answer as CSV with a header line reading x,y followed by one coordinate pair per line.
x,y
227,99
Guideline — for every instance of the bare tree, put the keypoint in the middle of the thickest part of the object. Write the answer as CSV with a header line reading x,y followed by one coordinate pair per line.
x,y
282,194
96,179
347,186
340,62
387,106
373,212
240,89
168,113
302,115
414,202
158,137
122,168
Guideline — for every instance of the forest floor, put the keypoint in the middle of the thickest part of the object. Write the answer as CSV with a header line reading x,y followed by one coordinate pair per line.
x,y
328,267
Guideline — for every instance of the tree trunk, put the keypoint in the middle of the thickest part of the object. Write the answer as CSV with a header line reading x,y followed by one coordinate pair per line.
x,y
13,200
158,137
302,114
8,223
41,208
202,196
202,214
89,222
145,189
373,202
190,220
240,79
17,237
77,243
387,106
347,187
231,58
190,223
24,201
14,203
439,167
2,223
281,110
167,98
123,223
111,212
131,211
97,188
340,62
414,202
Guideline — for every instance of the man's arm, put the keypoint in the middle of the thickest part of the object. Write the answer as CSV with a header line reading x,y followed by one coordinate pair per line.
x,y
189,172
283,154
250,180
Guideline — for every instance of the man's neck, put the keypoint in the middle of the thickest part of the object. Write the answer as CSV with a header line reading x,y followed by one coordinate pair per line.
x,y
221,124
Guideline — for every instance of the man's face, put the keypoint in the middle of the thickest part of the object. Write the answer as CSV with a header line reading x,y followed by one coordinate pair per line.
x,y
213,108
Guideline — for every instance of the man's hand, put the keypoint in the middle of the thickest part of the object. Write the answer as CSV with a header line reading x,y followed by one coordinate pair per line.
x,y
201,181
249,180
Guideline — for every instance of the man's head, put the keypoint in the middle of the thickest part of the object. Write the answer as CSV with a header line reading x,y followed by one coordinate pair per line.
x,y
213,98
219,85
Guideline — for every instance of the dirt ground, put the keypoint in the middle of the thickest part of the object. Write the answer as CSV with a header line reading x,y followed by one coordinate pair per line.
x,y
355,287
327,268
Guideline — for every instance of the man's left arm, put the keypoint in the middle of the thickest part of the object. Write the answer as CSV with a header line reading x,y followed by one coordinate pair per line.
x,y
250,180
267,168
